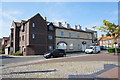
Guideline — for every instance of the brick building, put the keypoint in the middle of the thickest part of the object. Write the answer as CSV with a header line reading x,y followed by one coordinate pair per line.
x,y
108,41
36,36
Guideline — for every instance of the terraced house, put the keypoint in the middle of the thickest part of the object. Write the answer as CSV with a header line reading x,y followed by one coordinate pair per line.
x,y
37,35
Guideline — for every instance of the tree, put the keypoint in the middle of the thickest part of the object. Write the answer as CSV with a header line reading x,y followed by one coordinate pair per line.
x,y
111,29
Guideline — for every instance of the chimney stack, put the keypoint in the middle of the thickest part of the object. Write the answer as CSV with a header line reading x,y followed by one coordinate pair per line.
x,y
60,24
76,27
79,27
45,18
68,25
85,29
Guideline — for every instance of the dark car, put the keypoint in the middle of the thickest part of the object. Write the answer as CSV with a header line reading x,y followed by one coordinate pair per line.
x,y
55,53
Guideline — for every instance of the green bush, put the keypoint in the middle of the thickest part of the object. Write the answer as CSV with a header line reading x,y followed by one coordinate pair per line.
x,y
118,49
18,54
112,50
0,51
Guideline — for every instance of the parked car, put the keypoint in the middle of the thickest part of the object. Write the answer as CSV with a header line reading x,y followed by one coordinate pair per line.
x,y
93,49
103,47
55,53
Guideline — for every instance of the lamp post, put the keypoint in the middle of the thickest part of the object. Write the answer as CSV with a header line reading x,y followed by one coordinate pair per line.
x,y
95,40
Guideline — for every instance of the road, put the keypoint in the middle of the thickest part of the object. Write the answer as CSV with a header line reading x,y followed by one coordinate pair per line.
x,y
9,59
63,67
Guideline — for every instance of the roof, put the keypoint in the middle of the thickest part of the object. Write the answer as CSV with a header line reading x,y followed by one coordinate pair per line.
x,y
17,24
89,30
56,26
106,37
79,30
5,38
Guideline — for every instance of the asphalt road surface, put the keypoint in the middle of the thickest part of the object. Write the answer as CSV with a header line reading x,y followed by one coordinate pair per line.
x,y
8,59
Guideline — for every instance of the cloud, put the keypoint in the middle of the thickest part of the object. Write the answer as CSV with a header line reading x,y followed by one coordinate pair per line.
x,y
6,19
10,14
115,12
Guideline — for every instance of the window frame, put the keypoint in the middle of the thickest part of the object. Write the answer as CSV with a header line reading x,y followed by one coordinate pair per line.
x,y
50,37
78,35
51,28
70,34
62,33
33,36
50,48
71,46
33,24
23,38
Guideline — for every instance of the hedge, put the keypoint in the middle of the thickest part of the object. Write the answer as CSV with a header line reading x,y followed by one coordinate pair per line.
x,y
18,54
112,50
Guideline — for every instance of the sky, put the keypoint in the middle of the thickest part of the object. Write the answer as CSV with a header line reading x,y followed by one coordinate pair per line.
x,y
86,14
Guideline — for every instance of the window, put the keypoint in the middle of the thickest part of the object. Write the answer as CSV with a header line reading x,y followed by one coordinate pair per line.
x,y
79,47
22,28
50,27
20,39
50,37
62,46
78,35
71,46
88,36
95,34
62,33
33,24
23,38
50,48
33,36
70,34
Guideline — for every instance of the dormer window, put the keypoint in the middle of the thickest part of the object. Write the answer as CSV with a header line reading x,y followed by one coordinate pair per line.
x,y
33,24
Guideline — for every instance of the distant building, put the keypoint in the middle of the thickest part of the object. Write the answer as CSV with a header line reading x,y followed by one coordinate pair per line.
x,y
5,42
108,41
36,36
0,44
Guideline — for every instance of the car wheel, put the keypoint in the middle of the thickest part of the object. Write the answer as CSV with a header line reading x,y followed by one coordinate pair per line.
x,y
47,58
